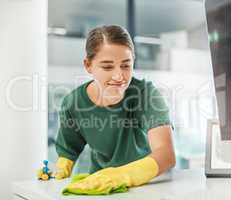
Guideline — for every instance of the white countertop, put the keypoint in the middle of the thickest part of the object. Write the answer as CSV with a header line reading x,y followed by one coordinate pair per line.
x,y
177,185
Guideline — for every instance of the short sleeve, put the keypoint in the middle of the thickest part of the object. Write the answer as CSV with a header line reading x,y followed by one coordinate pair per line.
x,y
69,141
155,111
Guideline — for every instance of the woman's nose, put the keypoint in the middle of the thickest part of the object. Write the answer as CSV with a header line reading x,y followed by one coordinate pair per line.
x,y
117,75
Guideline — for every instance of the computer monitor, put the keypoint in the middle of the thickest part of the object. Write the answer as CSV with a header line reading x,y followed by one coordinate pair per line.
x,y
218,16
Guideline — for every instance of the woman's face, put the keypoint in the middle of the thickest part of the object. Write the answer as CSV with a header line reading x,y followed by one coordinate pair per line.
x,y
111,69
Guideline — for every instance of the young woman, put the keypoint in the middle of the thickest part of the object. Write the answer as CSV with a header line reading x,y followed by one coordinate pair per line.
x,y
128,129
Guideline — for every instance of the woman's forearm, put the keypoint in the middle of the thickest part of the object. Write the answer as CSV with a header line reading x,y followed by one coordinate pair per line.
x,y
165,157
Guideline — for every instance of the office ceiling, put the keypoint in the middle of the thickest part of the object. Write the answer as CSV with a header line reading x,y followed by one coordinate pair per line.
x,y
152,16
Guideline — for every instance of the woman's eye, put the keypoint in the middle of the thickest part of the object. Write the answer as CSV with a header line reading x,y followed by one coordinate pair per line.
x,y
107,67
125,66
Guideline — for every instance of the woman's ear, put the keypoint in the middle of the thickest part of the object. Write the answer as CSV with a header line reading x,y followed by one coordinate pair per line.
x,y
87,65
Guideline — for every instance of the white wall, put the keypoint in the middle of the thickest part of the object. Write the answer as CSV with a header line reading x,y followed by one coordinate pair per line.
x,y
22,53
66,50
198,37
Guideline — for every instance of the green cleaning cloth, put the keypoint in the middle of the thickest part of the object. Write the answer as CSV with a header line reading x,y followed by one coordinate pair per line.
x,y
71,190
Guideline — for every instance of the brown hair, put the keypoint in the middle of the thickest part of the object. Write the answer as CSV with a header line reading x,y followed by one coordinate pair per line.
x,y
113,34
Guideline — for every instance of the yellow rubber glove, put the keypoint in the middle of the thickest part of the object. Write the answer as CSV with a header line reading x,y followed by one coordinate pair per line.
x,y
112,179
64,168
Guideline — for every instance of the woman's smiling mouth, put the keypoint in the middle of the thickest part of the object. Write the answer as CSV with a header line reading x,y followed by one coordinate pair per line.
x,y
122,84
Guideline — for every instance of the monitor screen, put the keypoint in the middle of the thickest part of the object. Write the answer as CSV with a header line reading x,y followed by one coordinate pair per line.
x,y
218,15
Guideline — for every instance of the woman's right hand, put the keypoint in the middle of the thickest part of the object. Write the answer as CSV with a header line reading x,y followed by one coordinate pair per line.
x,y
64,168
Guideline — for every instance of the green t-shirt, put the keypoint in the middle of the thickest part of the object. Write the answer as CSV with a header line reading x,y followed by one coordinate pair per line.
x,y
116,134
